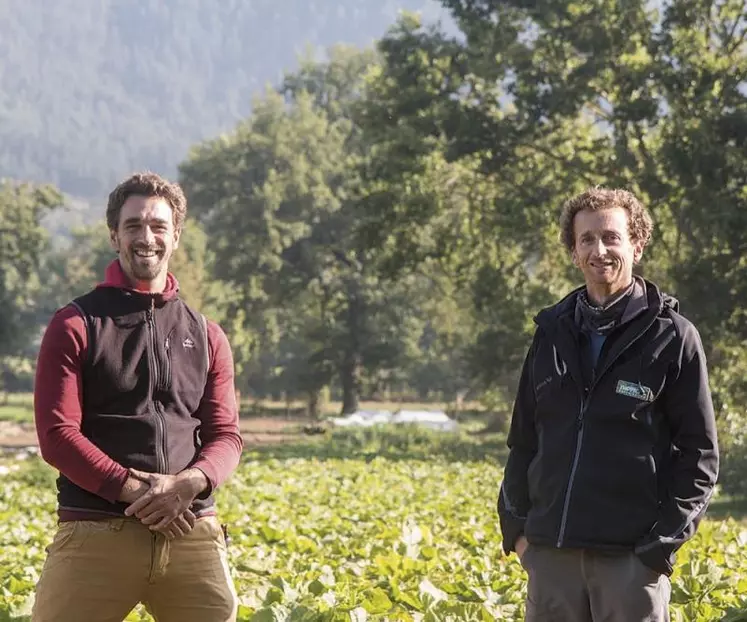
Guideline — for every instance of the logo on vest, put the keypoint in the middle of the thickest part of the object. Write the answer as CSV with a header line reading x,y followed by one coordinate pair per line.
x,y
188,343
636,391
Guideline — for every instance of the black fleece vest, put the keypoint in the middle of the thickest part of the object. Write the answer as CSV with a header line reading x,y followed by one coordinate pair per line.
x,y
143,380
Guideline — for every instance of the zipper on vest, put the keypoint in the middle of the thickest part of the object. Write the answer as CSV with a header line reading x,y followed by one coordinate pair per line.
x,y
580,435
160,427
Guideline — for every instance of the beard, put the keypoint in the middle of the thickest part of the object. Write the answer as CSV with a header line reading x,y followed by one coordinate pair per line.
x,y
146,269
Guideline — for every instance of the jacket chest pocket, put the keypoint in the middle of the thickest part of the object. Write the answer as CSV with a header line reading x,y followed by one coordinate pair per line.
x,y
186,360
556,399
550,376
556,394
119,358
548,388
631,392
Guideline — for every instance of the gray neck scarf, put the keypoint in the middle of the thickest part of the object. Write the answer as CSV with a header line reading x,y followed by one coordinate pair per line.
x,y
602,320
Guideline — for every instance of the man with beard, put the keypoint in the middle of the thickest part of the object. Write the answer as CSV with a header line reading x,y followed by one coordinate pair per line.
x,y
135,407
613,454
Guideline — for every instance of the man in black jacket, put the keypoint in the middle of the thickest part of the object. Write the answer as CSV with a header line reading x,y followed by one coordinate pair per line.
x,y
613,439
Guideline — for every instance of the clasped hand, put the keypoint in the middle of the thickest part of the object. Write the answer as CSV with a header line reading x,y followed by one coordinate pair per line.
x,y
164,504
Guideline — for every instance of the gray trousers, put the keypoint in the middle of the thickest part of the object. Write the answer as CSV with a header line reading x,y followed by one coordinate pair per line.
x,y
574,585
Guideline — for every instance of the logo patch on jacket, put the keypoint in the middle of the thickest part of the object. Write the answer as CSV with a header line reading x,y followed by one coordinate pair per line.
x,y
636,391
188,343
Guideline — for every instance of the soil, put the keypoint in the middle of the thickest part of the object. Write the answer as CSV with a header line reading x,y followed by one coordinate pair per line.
x,y
254,431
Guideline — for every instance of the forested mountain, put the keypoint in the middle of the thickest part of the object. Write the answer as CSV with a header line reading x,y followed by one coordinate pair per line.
x,y
90,90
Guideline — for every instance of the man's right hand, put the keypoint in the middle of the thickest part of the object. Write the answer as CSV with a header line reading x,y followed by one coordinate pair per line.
x,y
521,546
134,488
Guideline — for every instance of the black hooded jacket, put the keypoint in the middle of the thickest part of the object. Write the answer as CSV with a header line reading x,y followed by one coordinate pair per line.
x,y
624,458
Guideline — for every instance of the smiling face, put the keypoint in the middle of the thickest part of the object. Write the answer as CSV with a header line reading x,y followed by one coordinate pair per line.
x,y
145,238
604,251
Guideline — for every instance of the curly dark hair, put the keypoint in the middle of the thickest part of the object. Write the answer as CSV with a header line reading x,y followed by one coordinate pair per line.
x,y
147,184
640,224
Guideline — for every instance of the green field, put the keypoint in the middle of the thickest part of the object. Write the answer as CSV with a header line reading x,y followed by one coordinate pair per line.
x,y
368,525
18,407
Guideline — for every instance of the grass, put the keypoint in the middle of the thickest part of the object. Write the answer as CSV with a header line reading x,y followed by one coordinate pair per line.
x,y
400,443
725,507
16,407
297,408
20,407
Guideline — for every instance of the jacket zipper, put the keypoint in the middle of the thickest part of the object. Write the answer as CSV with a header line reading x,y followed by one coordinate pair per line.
x,y
167,363
160,431
580,435
574,466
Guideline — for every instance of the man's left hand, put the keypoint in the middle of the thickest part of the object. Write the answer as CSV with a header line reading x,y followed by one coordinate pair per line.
x,y
169,496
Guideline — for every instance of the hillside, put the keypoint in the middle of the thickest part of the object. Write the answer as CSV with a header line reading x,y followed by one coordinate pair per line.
x,y
92,90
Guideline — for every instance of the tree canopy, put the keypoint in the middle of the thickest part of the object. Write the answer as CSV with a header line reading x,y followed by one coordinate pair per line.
x,y
385,221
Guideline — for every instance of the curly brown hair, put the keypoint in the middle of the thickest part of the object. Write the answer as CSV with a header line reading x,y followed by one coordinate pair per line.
x,y
147,184
640,224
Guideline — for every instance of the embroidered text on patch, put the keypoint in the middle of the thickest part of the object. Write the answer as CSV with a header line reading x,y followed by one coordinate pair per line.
x,y
637,391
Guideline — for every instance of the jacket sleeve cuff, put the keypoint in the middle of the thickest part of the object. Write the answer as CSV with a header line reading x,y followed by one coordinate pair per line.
x,y
511,528
656,556
112,486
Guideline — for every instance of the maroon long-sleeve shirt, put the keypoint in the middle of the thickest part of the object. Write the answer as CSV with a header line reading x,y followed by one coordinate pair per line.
x,y
58,404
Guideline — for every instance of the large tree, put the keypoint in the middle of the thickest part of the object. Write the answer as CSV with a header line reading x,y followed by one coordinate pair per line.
x,y
537,100
280,196
23,242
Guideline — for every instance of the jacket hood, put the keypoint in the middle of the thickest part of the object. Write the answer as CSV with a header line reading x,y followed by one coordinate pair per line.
x,y
657,302
115,277
670,302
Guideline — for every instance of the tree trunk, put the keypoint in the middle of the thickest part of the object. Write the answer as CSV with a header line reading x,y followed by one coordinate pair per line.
x,y
353,360
350,380
312,405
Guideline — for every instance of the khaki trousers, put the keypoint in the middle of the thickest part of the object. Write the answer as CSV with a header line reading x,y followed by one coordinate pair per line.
x,y
574,585
98,571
